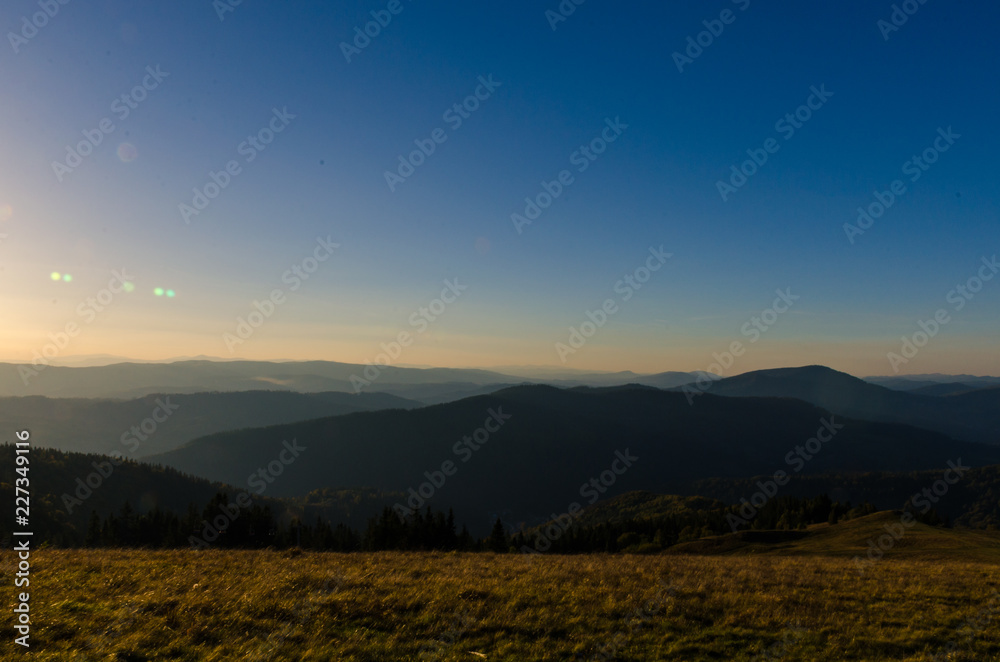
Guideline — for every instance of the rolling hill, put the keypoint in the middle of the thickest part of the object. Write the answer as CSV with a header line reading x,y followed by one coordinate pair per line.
x,y
553,442
102,426
852,539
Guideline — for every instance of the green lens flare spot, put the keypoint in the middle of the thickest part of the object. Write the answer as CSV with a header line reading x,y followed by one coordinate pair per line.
x,y
170,293
129,287
55,275
158,291
67,278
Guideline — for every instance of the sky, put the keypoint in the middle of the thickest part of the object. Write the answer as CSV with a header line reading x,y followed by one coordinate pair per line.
x,y
633,129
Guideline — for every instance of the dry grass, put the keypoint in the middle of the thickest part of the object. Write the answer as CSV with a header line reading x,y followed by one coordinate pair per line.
x,y
183,605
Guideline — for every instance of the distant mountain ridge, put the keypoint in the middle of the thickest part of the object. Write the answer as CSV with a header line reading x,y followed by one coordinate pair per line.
x,y
159,423
910,382
123,380
427,385
972,416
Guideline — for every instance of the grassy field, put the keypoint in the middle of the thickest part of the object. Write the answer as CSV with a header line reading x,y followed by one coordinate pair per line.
x,y
742,605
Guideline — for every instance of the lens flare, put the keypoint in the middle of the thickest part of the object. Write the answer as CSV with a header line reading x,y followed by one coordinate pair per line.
x,y
67,278
55,275
129,286
170,293
158,291
127,152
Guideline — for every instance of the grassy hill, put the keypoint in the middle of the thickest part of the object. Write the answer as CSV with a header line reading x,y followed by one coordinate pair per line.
x,y
387,607
852,538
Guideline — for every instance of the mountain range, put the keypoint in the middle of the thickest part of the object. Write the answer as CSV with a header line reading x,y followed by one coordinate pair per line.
x,y
549,445
523,452
426,385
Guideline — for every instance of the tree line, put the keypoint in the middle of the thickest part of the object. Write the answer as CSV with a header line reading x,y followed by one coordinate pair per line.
x,y
257,528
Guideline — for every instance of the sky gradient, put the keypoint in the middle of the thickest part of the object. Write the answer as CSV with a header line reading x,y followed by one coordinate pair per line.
x,y
223,76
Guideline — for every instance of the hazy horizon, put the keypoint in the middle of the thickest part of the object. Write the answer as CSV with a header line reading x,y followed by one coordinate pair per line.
x,y
680,203
71,361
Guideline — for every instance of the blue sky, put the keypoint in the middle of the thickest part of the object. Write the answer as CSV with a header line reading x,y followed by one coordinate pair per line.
x,y
655,185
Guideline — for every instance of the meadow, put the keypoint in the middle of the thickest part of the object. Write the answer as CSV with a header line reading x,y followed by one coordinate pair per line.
x,y
271,605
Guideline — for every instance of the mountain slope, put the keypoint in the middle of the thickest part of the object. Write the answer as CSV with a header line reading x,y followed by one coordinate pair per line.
x,y
103,426
61,508
969,418
556,441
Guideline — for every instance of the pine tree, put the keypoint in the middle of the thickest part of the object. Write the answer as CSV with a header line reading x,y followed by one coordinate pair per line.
x,y
93,530
498,538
